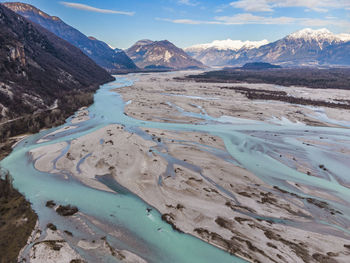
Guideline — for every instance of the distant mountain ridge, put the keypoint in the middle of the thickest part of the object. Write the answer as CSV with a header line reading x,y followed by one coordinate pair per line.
x,y
163,54
227,44
320,35
305,47
97,50
219,52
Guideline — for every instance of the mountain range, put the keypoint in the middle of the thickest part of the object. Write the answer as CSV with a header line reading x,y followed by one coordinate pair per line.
x,y
112,60
40,71
219,52
163,54
306,47
145,54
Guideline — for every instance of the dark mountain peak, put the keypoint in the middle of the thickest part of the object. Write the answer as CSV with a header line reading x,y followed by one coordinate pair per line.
x,y
143,42
161,55
18,6
157,43
92,38
97,50
22,8
165,42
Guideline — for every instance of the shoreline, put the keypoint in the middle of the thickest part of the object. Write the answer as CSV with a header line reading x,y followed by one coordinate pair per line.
x,y
7,145
53,244
19,217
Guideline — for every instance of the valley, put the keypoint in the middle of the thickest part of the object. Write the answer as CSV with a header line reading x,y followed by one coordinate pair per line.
x,y
252,178
118,148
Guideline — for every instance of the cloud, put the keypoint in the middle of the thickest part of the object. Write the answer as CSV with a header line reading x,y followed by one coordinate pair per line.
x,y
221,8
189,21
248,18
253,5
187,2
270,5
94,9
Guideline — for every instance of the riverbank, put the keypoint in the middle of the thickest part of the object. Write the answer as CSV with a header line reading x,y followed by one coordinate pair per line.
x,y
19,222
17,218
33,123
198,183
60,240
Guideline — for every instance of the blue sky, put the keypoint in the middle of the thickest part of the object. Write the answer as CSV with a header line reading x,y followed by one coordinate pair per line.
x,y
120,23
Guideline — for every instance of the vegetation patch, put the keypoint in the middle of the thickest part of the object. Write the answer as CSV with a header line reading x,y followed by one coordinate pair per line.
x,y
51,226
66,210
50,204
77,261
53,244
33,123
334,78
320,204
299,249
17,220
68,233
323,258
169,218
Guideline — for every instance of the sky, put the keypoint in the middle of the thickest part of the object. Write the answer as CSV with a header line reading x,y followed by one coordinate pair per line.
x,y
121,23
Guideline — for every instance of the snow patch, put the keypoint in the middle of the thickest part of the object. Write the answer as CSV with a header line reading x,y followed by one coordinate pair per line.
x,y
167,56
87,50
319,35
110,46
228,44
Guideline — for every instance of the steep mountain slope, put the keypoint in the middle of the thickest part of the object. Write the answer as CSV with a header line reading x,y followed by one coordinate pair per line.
x,y
97,50
338,54
39,70
150,54
219,52
306,47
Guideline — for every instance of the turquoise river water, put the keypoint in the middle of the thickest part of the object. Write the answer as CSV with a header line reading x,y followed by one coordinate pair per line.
x,y
252,144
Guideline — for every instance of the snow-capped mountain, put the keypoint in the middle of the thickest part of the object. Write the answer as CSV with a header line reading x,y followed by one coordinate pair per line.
x,y
150,54
219,52
304,47
320,35
227,44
